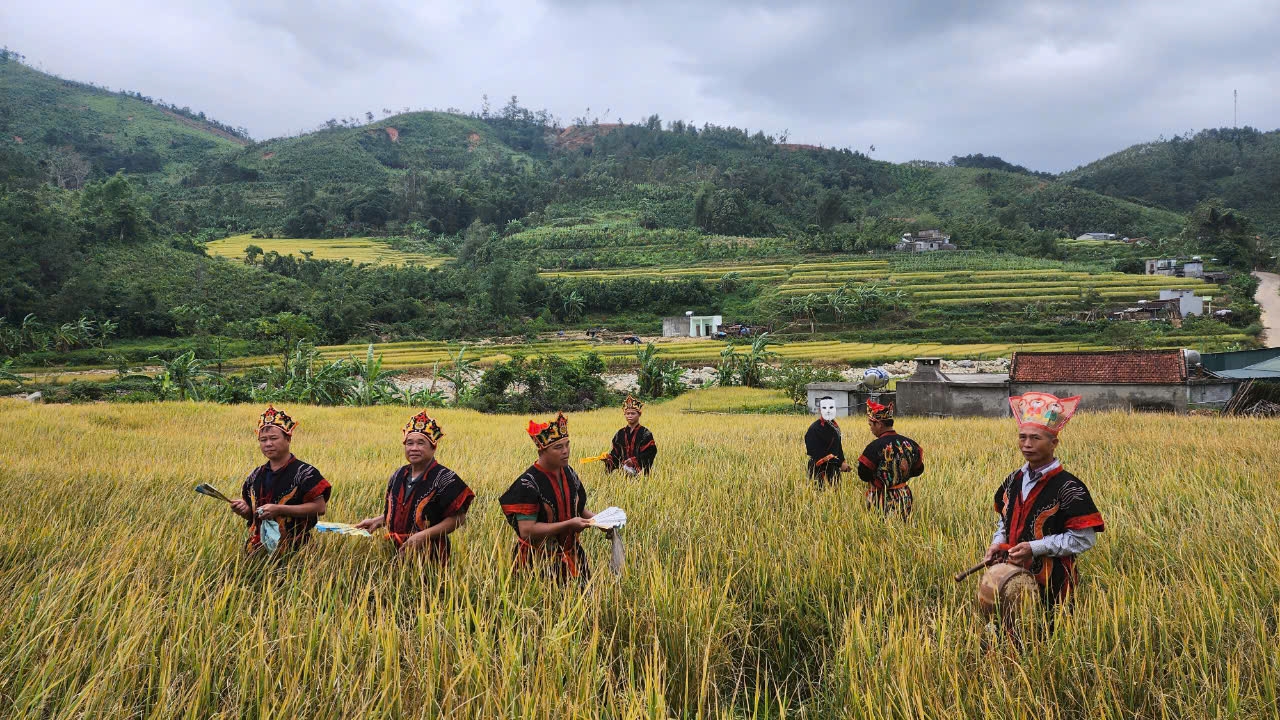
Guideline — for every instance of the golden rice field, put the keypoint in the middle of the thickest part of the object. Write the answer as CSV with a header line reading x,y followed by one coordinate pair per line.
x,y
747,593
357,250
424,353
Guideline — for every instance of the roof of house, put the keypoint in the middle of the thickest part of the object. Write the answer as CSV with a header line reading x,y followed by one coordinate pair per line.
x,y
1129,367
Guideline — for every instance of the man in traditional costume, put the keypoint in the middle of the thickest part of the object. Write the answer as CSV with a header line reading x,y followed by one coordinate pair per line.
x,y
284,489
1047,516
547,507
822,441
633,446
888,462
425,500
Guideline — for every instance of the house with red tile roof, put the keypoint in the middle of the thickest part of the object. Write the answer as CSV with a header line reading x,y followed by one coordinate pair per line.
x,y
1131,380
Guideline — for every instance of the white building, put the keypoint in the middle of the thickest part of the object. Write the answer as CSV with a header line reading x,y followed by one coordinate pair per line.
x,y
1162,267
1188,303
924,241
691,325
1097,236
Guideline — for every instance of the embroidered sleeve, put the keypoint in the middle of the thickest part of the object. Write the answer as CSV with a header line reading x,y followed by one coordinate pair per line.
x,y
312,485
521,501
1078,508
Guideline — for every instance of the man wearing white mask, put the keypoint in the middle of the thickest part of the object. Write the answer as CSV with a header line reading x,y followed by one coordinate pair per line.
x,y
822,443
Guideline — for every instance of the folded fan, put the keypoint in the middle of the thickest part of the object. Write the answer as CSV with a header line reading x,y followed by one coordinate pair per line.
x,y
341,529
609,518
211,491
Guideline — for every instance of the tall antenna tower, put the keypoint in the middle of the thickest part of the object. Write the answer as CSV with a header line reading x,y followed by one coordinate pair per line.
x,y
1235,109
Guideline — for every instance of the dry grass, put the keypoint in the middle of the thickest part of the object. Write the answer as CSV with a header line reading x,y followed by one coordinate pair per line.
x,y
747,593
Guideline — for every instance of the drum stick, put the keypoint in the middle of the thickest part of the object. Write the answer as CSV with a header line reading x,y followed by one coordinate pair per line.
x,y
972,570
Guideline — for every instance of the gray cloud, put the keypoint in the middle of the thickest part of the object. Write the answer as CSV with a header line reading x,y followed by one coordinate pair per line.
x,y
1049,84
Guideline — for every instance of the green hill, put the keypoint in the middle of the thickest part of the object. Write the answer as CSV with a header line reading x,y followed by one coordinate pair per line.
x,y
444,171
1240,166
79,132
522,205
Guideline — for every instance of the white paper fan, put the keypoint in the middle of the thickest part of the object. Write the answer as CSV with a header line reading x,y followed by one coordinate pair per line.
x,y
341,529
609,518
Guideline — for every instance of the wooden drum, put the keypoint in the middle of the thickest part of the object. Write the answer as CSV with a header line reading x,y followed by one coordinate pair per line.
x,y
1006,589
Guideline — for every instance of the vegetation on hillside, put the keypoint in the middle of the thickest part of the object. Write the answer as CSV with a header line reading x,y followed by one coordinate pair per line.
x,y
548,227
1238,166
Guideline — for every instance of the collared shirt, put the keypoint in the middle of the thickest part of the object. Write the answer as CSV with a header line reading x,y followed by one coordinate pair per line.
x,y
1071,542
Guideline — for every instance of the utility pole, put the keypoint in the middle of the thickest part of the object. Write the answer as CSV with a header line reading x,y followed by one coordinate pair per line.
x,y
1235,109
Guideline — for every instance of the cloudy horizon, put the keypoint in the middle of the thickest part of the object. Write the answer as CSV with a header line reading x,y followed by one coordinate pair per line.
x,y
1049,85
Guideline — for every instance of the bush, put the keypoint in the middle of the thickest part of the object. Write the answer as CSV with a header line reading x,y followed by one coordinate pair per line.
x,y
543,385
792,377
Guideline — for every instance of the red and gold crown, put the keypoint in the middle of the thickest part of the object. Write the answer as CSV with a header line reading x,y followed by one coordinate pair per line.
x,y
878,412
278,418
632,404
544,434
1043,411
424,424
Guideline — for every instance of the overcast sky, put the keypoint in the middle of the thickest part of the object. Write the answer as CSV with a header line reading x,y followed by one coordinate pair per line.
x,y
1050,85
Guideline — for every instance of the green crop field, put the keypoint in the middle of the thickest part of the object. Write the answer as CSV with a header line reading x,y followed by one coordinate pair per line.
x,y
357,250
947,279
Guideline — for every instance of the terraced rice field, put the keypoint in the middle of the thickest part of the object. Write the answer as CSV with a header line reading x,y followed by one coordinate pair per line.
x,y
767,273
950,286
358,250
413,355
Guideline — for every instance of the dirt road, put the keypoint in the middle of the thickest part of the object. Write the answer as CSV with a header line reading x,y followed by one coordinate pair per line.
x,y
1268,298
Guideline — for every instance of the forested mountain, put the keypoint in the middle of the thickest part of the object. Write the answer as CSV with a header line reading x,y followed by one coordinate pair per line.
x,y
78,132
1239,166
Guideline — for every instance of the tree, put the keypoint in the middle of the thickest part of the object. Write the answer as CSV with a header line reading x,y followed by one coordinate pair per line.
x,y
830,209
67,168
284,331
751,367
807,306
573,306
373,384
181,375
657,377
113,211
251,254
1225,233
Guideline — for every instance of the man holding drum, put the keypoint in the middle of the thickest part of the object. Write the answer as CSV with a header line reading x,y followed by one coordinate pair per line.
x,y
1047,516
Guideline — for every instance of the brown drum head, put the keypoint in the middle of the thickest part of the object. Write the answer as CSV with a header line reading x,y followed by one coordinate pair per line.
x,y
1007,588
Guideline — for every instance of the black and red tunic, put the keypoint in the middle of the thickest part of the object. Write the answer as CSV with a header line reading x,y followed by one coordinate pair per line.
x,y
296,483
548,497
415,503
1058,502
886,465
634,444
825,449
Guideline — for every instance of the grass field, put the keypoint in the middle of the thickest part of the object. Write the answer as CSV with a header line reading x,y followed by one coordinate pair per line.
x,y
357,250
747,593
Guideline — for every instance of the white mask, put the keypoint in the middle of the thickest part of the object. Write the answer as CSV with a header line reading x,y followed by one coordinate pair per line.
x,y
827,409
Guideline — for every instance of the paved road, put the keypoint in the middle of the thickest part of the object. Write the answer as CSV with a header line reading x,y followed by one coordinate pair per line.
x,y
1268,298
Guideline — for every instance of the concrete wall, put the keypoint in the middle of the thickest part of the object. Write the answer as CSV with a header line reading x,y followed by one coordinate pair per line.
x,y
675,326
1158,398
964,399
1211,394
